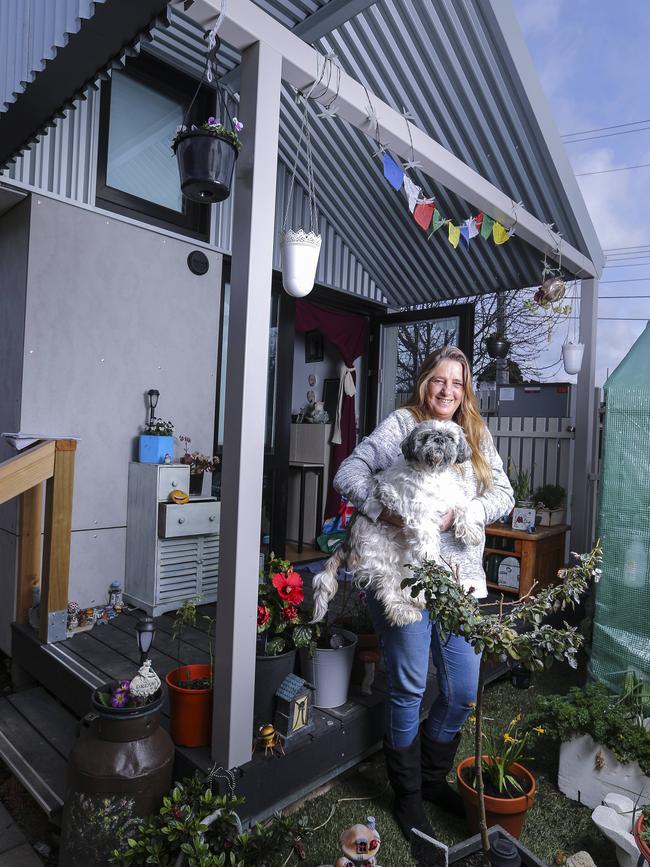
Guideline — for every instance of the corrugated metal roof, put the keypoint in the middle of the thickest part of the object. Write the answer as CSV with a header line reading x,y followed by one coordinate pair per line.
x,y
450,65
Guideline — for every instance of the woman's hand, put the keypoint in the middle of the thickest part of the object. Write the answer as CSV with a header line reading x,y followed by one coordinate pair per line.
x,y
447,520
391,518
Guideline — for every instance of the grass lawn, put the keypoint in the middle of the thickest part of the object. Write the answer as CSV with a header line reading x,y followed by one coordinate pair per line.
x,y
554,822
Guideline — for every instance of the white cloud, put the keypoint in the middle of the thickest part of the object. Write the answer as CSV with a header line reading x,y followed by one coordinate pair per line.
x,y
537,17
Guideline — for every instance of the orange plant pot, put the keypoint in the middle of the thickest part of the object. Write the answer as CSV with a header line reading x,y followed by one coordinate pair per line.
x,y
510,813
644,848
190,710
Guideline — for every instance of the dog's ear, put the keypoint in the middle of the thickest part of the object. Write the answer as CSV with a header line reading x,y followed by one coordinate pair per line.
x,y
410,445
464,452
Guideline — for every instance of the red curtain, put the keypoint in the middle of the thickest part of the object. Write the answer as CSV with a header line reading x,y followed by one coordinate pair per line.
x,y
349,333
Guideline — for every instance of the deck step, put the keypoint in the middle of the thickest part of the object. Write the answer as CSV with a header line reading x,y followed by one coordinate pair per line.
x,y
36,736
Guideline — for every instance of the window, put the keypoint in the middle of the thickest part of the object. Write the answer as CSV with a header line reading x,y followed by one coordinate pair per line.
x,y
141,107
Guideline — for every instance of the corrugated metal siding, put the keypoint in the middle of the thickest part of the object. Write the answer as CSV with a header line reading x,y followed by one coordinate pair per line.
x,y
30,32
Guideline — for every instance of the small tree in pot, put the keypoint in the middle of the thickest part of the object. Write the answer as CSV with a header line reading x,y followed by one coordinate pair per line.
x,y
497,636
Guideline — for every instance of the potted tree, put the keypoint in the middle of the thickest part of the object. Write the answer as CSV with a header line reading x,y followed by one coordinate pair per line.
x,y
190,687
499,636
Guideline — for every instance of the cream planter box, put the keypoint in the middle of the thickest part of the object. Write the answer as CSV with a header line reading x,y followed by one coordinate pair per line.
x,y
580,779
551,517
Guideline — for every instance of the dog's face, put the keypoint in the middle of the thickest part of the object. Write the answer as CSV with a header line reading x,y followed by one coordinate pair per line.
x,y
436,444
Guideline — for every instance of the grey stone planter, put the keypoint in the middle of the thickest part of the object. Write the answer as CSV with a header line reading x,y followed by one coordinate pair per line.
x,y
431,853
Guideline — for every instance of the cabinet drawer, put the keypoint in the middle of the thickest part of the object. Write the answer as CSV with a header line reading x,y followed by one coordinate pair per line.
x,y
174,477
189,520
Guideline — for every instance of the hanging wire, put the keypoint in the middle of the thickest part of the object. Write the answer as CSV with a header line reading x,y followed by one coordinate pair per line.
x,y
305,135
214,43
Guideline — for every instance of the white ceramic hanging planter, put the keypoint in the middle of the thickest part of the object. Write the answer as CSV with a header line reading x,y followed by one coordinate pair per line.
x,y
572,356
300,251
300,247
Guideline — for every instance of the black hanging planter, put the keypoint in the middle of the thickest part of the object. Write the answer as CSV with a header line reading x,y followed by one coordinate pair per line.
x,y
206,161
497,347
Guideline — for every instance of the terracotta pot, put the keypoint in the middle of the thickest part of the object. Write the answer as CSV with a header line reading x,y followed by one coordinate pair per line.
x,y
644,848
190,710
507,812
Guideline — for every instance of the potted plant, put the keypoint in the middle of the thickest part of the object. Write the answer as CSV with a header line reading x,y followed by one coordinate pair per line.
x,y
549,501
156,441
282,627
642,833
190,687
520,481
199,464
206,157
604,737
501,635
355,617
197,827
120,741
572,356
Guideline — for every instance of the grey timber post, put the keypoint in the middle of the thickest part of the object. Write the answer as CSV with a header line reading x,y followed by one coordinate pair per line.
x,y
244,419
584,473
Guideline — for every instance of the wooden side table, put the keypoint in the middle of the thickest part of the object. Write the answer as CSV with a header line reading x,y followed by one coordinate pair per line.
x,y
540,554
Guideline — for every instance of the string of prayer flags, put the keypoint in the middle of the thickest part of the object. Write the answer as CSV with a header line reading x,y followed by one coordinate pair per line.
x,y
499,234
428,217
393,173
412,192
437,221
486,227
423,214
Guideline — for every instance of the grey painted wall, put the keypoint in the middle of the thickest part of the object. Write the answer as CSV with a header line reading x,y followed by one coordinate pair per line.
x,y
111,311
14,245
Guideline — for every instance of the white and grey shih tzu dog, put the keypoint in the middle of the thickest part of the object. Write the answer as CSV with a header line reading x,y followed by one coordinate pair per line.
x,y
421,486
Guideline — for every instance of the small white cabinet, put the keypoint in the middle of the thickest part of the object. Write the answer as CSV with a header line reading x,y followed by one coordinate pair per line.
x,y
308,444
172,551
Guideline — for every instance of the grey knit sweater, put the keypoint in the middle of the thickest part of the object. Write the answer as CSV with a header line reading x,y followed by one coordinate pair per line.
x,y
354,480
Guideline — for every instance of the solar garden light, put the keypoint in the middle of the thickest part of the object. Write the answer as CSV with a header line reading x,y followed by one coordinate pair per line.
x,y
153,394
145,629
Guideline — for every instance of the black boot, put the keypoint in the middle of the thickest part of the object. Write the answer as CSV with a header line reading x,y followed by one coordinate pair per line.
x,y
404,773
437,760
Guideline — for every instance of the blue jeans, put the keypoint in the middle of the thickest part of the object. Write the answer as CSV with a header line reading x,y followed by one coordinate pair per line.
x,y
406,655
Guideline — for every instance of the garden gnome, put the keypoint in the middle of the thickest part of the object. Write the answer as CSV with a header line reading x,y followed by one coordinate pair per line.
x,y
360,845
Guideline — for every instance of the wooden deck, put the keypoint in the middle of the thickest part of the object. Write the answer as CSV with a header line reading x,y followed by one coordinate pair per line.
x,y
38,723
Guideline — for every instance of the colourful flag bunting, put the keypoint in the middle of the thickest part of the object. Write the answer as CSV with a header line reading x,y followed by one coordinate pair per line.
x,y
478,219
472,228
412,192
454,235
464,237
437,221
486,226
392,172
499,234
423,214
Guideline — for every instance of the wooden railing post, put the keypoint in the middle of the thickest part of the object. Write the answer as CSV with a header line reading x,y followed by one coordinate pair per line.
x,y
29,549
56,544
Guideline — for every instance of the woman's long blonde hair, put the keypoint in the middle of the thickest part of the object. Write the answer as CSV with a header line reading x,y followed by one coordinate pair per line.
x,y
467,415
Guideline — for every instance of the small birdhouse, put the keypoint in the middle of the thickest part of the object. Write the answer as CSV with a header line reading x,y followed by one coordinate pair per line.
x,y
293,703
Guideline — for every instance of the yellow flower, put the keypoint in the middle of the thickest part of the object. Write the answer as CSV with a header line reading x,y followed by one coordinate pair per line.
x,y
472,719
539,730
508,739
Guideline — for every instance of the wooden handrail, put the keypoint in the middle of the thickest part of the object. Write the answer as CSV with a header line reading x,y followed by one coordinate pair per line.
x,y
23,476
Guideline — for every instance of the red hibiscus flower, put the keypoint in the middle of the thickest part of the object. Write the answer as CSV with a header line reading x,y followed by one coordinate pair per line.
x,y
263,614
289,612
289,586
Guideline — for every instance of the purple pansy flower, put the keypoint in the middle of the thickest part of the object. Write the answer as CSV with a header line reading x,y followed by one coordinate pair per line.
x,y
212,121
119,698
237,125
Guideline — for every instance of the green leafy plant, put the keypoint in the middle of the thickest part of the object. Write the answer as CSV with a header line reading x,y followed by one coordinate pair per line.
x,y
501,750
198,462
515,632
354,614
549,497
158,428
645,832
212,126
281,623
186,616
520,481
198,828
615,721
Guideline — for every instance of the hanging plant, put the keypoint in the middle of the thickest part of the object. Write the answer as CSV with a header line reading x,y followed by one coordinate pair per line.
x,y
497,346
300,246
207,153
572,356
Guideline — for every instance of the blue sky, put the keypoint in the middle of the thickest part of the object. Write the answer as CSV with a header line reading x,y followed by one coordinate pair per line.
x,y
592,58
